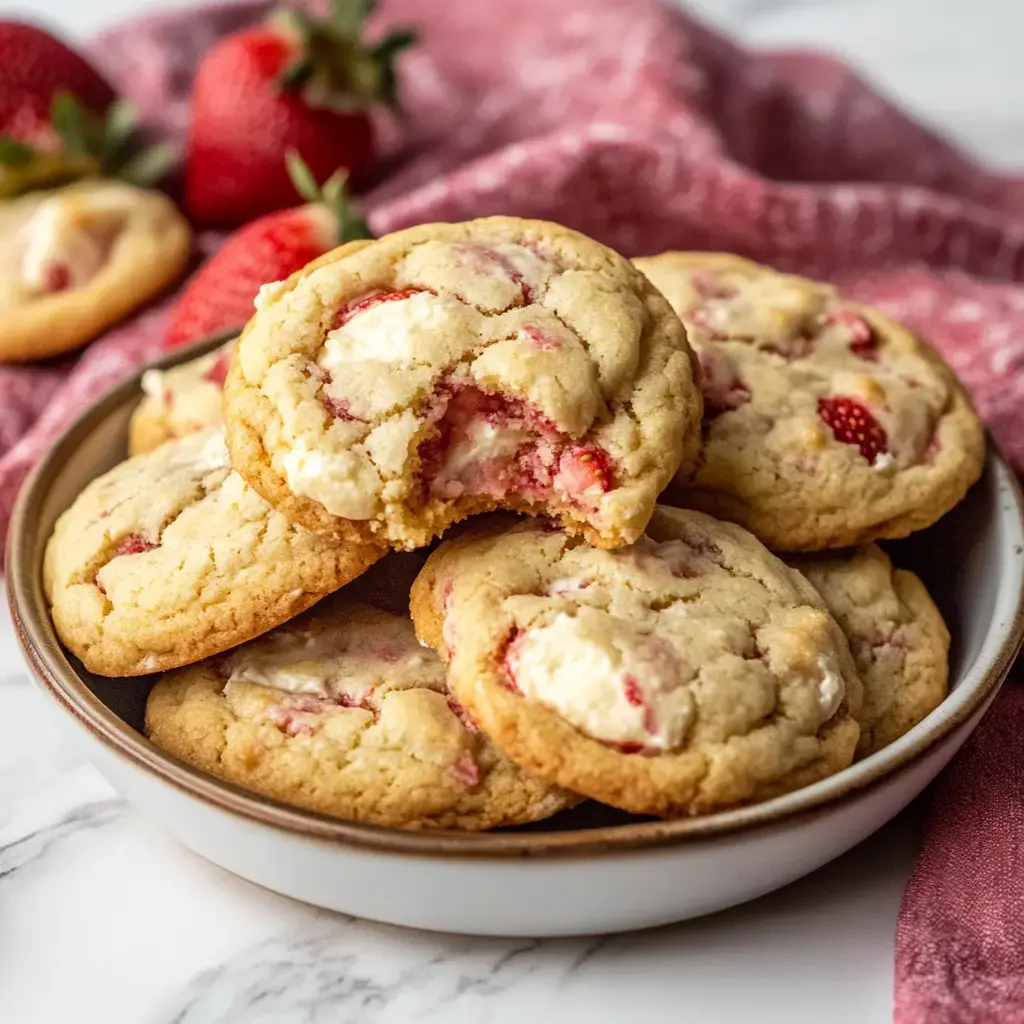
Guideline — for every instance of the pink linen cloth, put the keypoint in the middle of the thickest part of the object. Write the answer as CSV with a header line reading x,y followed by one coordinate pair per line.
x,y
639,126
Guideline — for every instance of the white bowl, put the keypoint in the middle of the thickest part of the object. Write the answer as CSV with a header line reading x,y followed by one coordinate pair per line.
x,y
585,871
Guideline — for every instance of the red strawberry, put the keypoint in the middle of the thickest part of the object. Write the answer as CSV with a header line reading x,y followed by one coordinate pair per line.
x,y
582,467
852,423
34,67
294,83
220,294
862,339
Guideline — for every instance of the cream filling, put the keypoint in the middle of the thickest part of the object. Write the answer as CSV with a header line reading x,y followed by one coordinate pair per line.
x,y
483,442
66,240
334,666
831,689
606,678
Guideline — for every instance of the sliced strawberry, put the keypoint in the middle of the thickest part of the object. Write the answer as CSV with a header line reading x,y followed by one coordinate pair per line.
x,y
863,342
852,423
357,306
635,698
218,370
58,277
541,338
466,771
584,469
462,715
710,285
722,389
508,666
133,544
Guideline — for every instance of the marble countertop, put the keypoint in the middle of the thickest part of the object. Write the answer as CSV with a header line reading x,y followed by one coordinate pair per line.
x,y
105,919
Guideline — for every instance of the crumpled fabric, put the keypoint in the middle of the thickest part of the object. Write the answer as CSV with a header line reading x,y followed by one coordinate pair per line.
x,y
639,126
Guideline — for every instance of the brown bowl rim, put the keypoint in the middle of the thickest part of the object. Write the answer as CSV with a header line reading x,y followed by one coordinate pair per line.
x,y
58,678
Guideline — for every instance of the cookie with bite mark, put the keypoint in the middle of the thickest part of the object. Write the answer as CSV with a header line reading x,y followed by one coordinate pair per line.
x,y
826,424
687,673
452,369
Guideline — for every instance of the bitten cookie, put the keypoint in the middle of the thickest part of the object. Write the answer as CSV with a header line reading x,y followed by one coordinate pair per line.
x,y
826,424
690,672
456,368
180,401
342,712
79,258
170,557
896,635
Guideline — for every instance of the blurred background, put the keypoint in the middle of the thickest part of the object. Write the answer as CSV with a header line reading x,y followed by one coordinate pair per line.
x,y
953,63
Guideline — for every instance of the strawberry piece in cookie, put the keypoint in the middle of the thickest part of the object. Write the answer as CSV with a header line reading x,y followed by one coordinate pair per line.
x,y
821,415
852,423
498,364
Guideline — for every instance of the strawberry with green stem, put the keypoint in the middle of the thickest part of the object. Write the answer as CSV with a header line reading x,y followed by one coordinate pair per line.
x,y
293,83
220,295
87,145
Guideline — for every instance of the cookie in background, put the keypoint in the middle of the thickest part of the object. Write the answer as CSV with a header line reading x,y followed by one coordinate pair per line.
x,y
826,424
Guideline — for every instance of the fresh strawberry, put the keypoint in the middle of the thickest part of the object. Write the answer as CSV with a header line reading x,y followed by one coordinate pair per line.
x,y
34,67
293,83
220,294
583,468
852,423
76,143
862,339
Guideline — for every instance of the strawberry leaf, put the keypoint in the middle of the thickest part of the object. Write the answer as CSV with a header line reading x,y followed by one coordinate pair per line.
x,y
347,16
14,153
69,119
148,166
302,177
333,194
384,54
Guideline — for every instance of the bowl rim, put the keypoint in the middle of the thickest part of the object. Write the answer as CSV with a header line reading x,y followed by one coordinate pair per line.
x,y
58,678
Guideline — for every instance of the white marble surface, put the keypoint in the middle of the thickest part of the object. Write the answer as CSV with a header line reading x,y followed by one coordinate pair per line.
x,y
104,919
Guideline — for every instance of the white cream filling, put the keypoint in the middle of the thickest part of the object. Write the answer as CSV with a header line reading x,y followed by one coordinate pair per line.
x,y
333,664
483,442
344,482
58,236
831,689
584,666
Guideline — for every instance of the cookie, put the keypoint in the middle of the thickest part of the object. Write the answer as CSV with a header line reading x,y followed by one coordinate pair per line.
x,y
79,258
344,713
179,401
896,635
171,557
690,672
451,369
826,423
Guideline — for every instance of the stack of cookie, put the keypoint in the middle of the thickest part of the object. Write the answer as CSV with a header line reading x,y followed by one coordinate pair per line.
x,y
657,658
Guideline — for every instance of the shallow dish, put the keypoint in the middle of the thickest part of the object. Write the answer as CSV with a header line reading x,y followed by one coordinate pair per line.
x,y
585,871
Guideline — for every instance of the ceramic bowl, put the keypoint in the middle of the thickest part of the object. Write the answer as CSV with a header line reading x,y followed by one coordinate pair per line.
x,y
585,871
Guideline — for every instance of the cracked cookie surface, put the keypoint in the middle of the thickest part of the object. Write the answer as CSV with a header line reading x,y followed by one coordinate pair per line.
x,y
79,258
451,369
342,712
826,424
896,634
171,557
179,401
687,673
